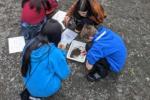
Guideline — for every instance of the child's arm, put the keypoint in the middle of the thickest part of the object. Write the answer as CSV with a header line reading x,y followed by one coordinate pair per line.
x,y
88,66
94,54
69,13
54,6
60,64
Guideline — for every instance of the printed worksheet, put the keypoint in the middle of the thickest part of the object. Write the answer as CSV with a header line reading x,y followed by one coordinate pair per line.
x,y
59,16
16,44
68,36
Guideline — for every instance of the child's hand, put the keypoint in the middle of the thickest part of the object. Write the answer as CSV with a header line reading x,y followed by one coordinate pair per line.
x,y
62,45
90,38
83,53
88,66
66,20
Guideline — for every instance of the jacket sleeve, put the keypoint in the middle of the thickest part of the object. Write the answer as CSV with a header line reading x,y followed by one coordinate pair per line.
x,y
60,65
71,9
54,6
94,54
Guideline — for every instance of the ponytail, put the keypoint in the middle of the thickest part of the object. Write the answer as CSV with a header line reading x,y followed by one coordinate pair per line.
x,y
34,44
50,33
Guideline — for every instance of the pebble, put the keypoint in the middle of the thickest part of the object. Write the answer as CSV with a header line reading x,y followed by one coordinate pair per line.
x,y
147,79
12,79
119,90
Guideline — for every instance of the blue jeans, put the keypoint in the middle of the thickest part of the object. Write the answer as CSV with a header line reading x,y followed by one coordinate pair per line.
x,y
30,31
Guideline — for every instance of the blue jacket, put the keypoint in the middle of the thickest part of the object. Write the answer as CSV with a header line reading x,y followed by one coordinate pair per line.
x,y
107,44
48,68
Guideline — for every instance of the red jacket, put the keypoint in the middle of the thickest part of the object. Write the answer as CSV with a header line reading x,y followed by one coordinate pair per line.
x,y
31,16
54,6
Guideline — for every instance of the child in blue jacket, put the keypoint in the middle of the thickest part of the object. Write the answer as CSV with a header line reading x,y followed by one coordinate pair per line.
x,y
106,52
44,66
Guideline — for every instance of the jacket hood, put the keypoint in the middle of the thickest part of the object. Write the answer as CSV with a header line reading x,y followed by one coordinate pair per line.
x,y
42,52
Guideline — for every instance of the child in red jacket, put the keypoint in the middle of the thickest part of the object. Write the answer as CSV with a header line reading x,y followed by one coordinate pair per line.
x,y
33,16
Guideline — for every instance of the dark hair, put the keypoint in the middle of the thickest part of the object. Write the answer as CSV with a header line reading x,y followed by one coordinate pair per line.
x,y
50,33
38,4
53,31
82,5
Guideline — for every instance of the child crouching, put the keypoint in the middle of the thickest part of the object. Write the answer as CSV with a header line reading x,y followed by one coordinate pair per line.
x,y
34,16
106,52
44,66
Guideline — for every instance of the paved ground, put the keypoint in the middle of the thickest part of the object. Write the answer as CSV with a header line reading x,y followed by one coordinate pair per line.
x,y
130,18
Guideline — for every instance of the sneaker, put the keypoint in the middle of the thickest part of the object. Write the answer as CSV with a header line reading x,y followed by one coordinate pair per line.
x,y
37,98
93,77
34,98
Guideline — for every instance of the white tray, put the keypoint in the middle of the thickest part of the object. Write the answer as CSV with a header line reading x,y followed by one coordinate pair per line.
x,y
81,46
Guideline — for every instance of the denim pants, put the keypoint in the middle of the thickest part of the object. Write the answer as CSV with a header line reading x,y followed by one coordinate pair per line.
x,y
30,31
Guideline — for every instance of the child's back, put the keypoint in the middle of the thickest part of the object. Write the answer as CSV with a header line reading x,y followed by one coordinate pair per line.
x,y
49,67
109,45
44,65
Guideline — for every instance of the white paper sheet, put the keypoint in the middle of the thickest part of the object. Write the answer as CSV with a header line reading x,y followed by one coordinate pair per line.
x,y
68,36
59,16
81,46
16,44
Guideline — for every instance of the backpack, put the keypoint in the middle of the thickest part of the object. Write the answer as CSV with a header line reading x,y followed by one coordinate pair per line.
x,y
54,6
